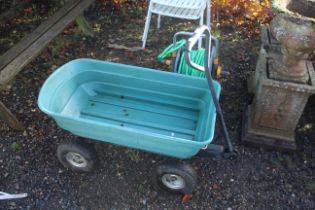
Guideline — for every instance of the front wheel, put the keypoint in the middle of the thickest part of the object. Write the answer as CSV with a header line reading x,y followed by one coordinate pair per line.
x,y
77,156
175,177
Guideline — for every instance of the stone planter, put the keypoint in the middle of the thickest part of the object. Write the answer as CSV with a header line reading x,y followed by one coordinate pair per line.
x,y
296,33
284,79
277,106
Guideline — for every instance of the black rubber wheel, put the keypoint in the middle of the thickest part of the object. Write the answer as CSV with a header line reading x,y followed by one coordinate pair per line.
x,y
175,177
77,156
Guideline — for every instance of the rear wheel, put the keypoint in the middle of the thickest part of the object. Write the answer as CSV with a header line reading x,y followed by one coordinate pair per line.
x,y
77,156
175,177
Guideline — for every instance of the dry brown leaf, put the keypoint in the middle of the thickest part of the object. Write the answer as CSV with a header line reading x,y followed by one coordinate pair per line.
x,y
186,198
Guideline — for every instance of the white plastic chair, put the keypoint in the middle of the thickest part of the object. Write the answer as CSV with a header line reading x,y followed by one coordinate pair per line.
x,y
184,9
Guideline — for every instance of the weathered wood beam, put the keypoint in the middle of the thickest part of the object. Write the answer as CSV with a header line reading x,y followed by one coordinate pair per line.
x,y
9,118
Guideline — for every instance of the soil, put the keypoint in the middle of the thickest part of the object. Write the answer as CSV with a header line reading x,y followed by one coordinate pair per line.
x,y
254,179
24,21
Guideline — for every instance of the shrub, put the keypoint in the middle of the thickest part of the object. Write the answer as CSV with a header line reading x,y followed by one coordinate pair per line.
x,y
246,13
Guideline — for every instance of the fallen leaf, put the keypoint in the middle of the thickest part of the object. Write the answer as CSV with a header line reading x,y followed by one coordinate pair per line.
x,y
186,198
215,186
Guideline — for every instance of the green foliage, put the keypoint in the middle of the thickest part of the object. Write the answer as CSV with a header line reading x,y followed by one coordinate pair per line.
x,y
15,146
244,15
311,187
252,10
84,25
141,188
276,163
84,184
217,33
134,155
120,3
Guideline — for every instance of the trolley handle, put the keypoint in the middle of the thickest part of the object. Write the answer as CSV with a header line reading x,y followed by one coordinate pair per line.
x,y
199,32
183,33
208,70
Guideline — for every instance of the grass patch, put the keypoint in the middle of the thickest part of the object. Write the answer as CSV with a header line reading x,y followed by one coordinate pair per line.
x,y
15,146
141,188
311,187
84,184
276,163
134,155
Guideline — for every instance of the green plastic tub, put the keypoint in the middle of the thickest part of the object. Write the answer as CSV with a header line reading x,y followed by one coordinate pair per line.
x,y
155,111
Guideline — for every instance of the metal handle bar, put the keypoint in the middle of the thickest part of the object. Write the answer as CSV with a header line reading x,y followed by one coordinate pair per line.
x,y
209,57
191,42
196,35
183,33
207,69
178,55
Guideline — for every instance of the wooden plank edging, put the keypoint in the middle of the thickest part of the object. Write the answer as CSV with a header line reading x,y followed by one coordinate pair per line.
x,y
20,55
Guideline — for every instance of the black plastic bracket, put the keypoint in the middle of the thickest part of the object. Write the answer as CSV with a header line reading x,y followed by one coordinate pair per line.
x,y
213,150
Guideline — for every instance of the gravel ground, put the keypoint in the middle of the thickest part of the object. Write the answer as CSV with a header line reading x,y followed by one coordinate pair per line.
x,y
254,179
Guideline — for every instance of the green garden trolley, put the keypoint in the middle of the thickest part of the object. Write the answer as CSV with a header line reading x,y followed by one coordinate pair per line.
x,y
155,111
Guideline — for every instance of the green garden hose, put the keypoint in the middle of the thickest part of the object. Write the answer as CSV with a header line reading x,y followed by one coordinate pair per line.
x,y
170,49
197,56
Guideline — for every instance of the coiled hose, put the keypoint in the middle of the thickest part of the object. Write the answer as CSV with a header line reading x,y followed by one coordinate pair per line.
x,y
197,56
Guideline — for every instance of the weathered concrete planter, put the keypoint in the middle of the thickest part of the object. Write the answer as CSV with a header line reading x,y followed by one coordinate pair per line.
x,y
296,33
283,79
277,106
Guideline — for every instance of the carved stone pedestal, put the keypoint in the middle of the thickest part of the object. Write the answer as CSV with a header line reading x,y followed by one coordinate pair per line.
x,y
269,45
284,79
277,106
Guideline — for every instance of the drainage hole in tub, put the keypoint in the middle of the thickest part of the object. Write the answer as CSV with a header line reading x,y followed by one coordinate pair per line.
x,y
92,104
122,125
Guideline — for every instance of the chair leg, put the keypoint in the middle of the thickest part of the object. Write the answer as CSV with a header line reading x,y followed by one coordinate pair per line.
x,y
200,23
208,14
159,22
146,29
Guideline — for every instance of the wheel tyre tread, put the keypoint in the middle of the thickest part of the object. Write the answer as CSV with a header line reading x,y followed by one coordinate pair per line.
x,y
86,150
184,170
